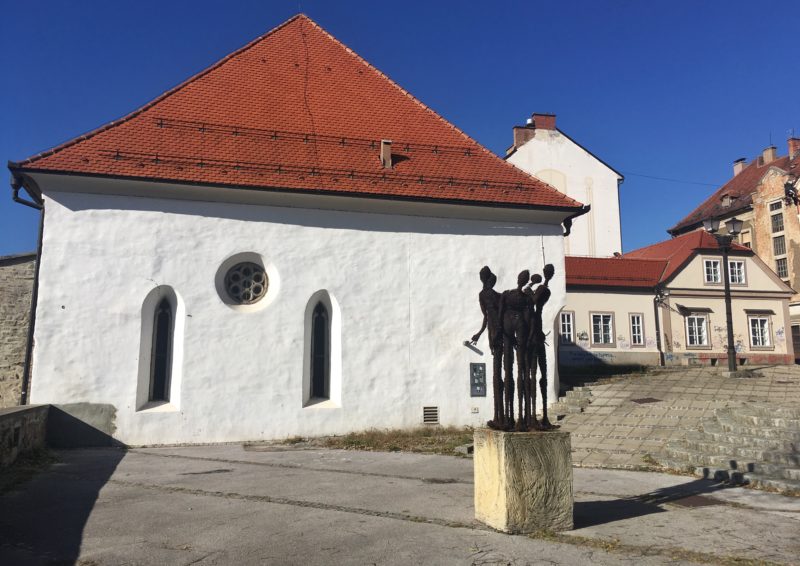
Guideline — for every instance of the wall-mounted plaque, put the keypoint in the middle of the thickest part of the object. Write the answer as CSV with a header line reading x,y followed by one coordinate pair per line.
x,y
477,380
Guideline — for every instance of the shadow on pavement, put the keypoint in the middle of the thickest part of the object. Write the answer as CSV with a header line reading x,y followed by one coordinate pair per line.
x,y
593,513
42,521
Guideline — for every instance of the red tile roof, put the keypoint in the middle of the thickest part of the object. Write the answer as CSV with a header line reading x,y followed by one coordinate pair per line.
x,y
613,272
740,189
643,268
298,110
678,251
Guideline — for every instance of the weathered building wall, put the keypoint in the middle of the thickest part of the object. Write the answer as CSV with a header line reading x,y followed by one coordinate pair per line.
x,y
621,304
556,159
760,292
16,287
405,290
771,192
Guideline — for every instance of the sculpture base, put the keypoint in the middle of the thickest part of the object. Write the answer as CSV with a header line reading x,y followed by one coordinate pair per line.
x,y
523,480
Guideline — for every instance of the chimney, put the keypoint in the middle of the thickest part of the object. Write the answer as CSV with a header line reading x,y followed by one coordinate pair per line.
x,y
386,154
544,121
794,147
739,165
522,134
769,154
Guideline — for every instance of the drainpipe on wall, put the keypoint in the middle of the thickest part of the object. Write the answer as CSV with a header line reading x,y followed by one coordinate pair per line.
x,y
16,185
656,302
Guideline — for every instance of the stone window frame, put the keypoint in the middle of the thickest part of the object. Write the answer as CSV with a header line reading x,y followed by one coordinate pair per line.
x,y
706,335
564,338
613,343
641,329
718,261
785,260
770,340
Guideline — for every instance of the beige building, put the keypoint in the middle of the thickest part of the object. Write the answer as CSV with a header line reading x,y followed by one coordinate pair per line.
x,y
664,304
757,195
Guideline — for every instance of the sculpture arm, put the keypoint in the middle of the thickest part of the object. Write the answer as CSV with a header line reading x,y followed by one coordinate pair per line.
x,y
483,326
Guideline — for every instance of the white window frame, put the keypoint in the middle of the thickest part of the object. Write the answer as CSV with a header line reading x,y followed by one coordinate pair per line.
x,y
705,342
715,271
567,320
611,334
731,278
764,336
631,318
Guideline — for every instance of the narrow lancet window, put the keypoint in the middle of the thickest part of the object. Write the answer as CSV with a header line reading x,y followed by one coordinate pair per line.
x,y
161,357
320,352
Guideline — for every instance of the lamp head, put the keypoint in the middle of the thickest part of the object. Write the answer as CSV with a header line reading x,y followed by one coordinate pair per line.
x,y
711,225
734,226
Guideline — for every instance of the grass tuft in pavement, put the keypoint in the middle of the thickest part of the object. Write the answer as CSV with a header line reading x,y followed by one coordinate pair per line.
x,y
424,440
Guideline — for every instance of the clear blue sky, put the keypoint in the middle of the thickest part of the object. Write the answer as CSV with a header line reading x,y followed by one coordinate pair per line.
x,y
671,89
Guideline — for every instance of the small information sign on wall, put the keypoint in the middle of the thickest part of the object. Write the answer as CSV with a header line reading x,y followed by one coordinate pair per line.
x,y
477,380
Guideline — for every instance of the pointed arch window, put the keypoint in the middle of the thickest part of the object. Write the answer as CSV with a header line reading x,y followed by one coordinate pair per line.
x,y
161,355
320,352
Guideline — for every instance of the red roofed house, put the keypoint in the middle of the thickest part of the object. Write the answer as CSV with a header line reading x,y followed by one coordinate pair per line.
x,y
664,304
757,195
287,243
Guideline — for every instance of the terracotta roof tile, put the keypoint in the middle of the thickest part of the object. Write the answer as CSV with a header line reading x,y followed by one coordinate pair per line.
x,y
740,188
297,109
613,272
681,249
643,268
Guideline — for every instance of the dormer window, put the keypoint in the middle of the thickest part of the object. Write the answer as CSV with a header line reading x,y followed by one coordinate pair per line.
x,y
727,201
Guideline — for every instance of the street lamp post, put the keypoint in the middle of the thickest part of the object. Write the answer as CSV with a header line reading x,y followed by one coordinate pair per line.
x,y
734,226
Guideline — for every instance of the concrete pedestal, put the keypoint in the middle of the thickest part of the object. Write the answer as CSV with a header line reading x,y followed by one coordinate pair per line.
x,y
523,480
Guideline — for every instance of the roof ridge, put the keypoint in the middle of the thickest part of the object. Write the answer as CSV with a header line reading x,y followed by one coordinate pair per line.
x,y
424,106
163,96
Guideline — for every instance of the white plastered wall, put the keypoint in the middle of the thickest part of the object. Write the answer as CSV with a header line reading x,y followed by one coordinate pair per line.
x,y
557,160
406,289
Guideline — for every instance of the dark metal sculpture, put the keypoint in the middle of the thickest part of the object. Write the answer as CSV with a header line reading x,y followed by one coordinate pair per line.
x,y
490,306
515,328
514,320
537,345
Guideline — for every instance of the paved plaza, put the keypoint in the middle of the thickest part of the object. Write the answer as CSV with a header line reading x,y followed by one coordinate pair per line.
x,y
631,417
228,504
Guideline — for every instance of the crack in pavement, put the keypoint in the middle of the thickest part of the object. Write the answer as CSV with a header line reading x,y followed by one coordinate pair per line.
x,y
302,503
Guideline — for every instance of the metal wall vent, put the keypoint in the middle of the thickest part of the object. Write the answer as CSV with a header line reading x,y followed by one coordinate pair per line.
x,y
430,415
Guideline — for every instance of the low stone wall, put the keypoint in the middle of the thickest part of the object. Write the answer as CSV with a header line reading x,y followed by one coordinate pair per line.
x,y
22,429
16,288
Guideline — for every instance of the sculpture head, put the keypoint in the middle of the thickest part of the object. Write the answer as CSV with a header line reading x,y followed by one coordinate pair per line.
x,y
523,277
549,271
536,278
487,277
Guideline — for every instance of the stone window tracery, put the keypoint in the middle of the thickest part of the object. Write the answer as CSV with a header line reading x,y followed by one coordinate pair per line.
x,y
246,283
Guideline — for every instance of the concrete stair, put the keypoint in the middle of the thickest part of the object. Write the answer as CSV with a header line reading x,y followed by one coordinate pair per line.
x,y
573,402
754,444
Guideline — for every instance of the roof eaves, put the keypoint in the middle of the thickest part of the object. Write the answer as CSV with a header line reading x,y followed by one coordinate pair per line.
x,y
580,209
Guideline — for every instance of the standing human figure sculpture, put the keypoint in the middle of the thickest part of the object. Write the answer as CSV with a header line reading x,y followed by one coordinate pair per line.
x,y
489,300
538,348
514,316
530,348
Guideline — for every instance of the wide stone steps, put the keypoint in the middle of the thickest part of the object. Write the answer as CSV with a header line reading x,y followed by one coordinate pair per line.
x,y
787,443
751,443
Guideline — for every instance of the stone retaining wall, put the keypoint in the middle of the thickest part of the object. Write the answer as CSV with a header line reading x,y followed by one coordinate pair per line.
x,y
22,429
16,288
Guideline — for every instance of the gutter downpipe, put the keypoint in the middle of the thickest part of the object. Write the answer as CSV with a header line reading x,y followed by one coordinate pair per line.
x,y
16,185
656,303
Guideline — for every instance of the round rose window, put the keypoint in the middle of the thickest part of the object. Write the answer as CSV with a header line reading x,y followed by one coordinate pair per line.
x,y
246,283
